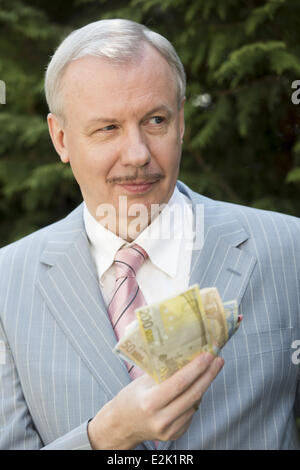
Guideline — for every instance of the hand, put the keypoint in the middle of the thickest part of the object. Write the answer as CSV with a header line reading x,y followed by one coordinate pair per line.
x,y
144,410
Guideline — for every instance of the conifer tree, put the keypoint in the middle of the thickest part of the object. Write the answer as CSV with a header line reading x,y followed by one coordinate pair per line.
x,y
242,139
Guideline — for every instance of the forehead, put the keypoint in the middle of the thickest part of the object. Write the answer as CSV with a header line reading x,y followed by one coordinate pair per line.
x,y
96,84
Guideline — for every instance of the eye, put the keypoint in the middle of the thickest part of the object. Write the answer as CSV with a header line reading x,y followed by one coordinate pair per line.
x,y
111,127
156,120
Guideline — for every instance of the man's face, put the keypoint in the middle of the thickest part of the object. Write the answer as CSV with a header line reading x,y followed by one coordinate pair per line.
x,y
123,127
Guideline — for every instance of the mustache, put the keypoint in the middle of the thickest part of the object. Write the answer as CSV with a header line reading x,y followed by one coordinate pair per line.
x,y
132,179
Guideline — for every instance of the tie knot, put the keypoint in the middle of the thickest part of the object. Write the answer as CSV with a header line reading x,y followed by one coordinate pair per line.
x,y
128,260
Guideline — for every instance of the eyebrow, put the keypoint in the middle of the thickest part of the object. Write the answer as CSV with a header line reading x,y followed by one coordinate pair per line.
x,y
161,108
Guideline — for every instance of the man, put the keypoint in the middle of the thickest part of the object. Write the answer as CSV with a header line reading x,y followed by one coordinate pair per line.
x,y
116,95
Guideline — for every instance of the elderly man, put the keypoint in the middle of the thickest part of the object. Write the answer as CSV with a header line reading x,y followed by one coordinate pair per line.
x,y
116,93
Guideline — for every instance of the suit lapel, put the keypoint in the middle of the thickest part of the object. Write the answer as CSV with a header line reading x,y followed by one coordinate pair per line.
x,y
71,291
221,262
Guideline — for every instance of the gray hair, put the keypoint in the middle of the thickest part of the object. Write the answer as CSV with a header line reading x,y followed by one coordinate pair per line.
x,y
116,39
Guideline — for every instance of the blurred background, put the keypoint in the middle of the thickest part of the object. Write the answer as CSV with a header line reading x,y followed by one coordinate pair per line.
x,y
242,140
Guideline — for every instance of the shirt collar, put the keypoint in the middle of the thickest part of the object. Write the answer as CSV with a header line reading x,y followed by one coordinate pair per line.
x,y
104,243
162,239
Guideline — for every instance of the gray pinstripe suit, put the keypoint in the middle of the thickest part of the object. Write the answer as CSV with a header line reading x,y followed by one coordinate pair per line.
x,y
60,370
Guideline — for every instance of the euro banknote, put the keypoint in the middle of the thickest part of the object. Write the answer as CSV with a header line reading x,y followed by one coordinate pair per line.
x,y
167,335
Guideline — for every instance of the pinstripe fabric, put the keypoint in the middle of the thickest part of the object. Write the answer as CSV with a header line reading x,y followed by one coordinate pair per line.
x,y
59,366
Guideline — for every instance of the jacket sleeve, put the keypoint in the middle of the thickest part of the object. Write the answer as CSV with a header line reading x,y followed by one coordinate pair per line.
x,y
17,429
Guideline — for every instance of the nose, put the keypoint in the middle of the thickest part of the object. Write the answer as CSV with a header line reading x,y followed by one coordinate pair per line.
x,y
135,151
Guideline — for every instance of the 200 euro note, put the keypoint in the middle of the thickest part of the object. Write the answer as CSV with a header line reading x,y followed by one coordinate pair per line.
x,y
169,334
175,331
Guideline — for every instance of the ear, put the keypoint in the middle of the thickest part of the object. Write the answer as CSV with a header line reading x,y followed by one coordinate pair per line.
x,y
181,118
58,136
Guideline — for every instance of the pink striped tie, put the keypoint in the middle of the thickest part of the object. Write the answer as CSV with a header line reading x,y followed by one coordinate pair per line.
x,y
126,296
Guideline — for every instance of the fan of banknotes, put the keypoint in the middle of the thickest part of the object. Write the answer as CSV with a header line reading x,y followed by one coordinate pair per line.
x,y
167,335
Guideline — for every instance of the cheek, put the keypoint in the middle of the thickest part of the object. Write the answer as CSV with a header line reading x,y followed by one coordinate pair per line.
x,y
167,153
91,160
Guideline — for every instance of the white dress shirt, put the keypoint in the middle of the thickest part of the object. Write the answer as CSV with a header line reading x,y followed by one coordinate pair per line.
x,y
167,240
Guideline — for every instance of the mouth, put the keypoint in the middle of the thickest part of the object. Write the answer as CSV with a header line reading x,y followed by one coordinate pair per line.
x,y
138,187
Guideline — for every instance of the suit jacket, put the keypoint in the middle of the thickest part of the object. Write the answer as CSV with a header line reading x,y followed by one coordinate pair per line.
x,y
60,369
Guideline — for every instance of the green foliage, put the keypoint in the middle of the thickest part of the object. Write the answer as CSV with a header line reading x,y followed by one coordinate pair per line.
x,y
242,140
293,175
258,16
215,119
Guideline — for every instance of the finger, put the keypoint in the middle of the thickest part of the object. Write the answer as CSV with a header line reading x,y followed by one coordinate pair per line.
x,y
182,430
175,385
177,427
193,395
